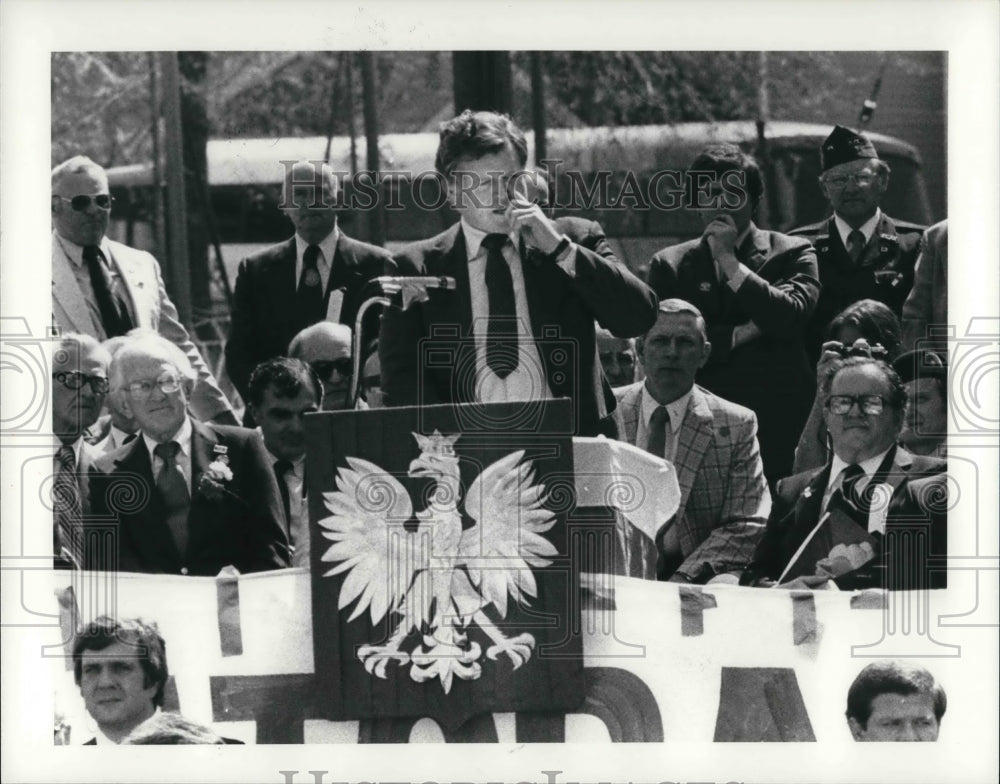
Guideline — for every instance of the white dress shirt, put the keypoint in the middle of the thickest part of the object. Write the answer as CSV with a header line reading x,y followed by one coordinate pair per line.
x,y
867,228
676,411
527,381
837,466
183,438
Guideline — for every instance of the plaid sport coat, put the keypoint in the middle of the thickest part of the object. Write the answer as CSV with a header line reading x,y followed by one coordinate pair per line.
x,y
725,501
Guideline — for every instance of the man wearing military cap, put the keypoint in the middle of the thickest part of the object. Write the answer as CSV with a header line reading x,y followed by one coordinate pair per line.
x,y
862,253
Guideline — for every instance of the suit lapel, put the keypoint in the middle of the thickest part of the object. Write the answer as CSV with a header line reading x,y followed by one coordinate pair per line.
x,y
692,442
281,282
630,413
124,260
451,258
67,293
810,501
755,249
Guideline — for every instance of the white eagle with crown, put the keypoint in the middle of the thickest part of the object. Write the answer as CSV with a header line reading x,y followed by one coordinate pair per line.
x,y
438,579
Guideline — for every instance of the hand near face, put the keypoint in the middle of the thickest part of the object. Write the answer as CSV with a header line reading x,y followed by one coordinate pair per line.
x,y
721,235
530,222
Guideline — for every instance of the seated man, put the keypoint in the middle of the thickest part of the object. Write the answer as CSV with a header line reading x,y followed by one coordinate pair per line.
x,y
79,385
121,428
925,375
519,325
617,357
839,521
895,701
281,392
200,496
712,444
327,348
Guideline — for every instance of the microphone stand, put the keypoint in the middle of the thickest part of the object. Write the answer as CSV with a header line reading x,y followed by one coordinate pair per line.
x,y
378,299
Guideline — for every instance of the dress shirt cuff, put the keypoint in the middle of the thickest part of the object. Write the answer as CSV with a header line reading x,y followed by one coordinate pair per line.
x,y
736,279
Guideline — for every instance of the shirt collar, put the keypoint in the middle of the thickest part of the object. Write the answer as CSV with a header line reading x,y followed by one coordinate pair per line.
x,y
298,464
103,740
182,437
77,447
742,237
118,436
869,466
474,239
867,228
676,409
75,252
328,246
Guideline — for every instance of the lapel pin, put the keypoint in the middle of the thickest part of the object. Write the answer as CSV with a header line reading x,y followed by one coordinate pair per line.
x,y
704,286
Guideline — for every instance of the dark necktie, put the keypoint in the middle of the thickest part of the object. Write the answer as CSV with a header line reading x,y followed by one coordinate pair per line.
x,y
107,290
68,508
282,467
656,441
309,295
173,490
129,438
501,336
848,498
855,245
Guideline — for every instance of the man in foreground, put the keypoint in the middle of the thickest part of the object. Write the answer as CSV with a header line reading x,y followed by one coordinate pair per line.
x,y
895,701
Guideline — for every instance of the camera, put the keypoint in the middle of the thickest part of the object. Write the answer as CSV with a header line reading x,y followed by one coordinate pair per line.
x,y
861,348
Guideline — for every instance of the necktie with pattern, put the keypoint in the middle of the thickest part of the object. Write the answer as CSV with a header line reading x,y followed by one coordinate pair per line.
x,y
173,490
309,295
847,496
501,336
68,509
107,290
282,467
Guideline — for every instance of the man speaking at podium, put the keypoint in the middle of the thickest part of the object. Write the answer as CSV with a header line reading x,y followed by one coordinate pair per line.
x,y
519,325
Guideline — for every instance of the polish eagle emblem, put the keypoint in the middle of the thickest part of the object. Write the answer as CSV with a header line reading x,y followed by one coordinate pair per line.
x,y
435,578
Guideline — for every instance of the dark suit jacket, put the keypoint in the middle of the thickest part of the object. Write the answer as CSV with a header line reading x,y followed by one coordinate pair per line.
x,y
562,305
264,318
242,526
919,497
884,272
771,374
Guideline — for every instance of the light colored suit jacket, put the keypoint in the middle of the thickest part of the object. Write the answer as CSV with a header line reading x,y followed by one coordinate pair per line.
x,y
152,309
724,497
927,303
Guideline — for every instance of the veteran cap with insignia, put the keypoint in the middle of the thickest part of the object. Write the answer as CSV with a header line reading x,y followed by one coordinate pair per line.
x,y
922,363
843,146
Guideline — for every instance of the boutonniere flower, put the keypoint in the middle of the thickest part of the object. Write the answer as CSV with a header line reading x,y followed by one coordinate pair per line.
x,y
807,493
705,286
212,483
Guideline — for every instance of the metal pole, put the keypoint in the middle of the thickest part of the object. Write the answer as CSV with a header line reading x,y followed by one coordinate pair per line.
x,y
159,242
376,221
538,107
176,266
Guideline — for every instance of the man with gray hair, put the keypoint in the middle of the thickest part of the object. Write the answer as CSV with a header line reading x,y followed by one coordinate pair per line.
x,y
190,498
79,385
319,274
712,444
104,289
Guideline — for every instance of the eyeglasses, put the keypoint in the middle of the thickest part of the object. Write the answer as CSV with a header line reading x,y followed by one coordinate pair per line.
x,y
74,379
167,384
839,181
82,203
869,404
324,367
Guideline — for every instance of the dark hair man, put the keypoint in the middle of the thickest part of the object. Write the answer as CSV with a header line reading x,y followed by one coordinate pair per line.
x,y
837,522
862,252
282,391
756,290
925,374
103,288
520,324
895,701
712,444
121,669
317,275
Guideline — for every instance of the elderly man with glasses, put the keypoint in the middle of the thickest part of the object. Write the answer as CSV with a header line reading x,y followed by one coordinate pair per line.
x,y
79,386
103,288
190,498
862,253
841,524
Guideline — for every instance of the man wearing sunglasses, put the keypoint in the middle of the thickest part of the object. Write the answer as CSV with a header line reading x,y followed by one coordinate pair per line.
x,y
200,496
79,385
862,253
103,288
327,348
318,274
840,523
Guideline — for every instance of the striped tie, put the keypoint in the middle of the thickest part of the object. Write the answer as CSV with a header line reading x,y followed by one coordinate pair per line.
x,y
68,508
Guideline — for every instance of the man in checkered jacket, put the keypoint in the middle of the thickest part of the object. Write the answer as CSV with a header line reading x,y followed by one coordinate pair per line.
x,y
712,444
